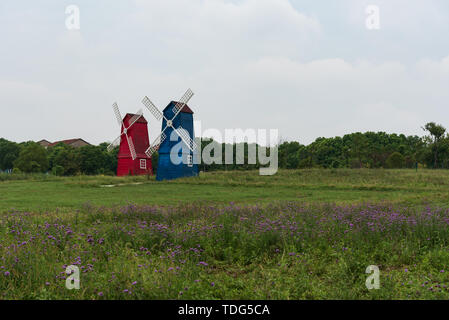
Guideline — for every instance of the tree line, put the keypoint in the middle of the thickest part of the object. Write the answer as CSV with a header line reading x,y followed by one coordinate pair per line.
x,y
371,150
355,150
61,160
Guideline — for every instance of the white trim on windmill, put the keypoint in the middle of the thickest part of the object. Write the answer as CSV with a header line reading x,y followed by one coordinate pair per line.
x,y
143,164
132,121
169,123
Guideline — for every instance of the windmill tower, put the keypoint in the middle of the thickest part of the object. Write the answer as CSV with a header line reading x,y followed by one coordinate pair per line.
x,y
132,159
175,143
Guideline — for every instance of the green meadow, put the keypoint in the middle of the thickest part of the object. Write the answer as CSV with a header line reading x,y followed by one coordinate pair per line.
x,y
42,192
300,234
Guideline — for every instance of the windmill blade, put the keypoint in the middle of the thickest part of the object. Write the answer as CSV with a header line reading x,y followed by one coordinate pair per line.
x,y
156,144
134,119
131,147
152,150
152,108
184,100
114,143
117,114
186,138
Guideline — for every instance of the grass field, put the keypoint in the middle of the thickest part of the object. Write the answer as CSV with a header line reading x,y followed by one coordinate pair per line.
x,y
42,193
301,234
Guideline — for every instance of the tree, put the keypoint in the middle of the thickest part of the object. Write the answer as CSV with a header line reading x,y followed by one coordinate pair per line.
x,y
63,160
358,149
154,161
395,161
437,132
68,159
9,152
288,155
111,158
93,160
32,158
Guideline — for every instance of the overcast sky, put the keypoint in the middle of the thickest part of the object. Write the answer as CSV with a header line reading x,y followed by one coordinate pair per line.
x,y
308,68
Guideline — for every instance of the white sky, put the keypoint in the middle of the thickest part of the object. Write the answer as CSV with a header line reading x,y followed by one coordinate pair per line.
x,y
308,68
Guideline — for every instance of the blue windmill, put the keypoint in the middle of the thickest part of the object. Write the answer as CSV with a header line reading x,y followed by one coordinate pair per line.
x,y
175,143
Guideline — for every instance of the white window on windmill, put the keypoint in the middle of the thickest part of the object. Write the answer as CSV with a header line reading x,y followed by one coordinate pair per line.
x,y
143,164
190,160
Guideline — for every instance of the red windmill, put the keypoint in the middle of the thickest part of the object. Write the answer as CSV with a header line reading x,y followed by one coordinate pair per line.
x,y
132,159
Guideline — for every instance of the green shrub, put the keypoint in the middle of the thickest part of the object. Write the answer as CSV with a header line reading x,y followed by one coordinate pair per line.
x,y
32,159
395,161
58,170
